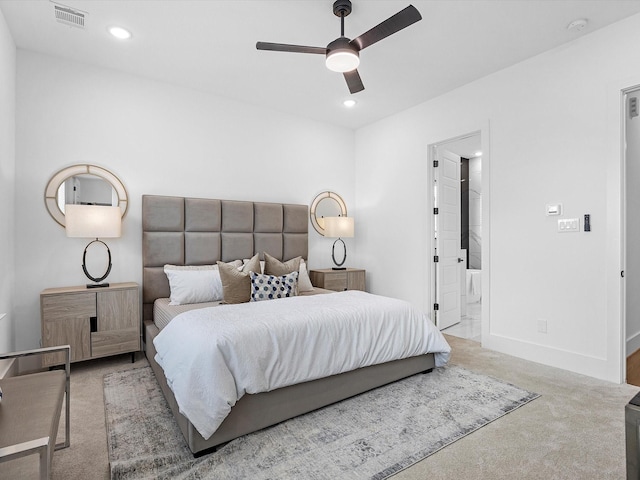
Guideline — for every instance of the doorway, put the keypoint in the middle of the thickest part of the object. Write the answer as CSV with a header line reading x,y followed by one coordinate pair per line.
x,y
632,234
457,220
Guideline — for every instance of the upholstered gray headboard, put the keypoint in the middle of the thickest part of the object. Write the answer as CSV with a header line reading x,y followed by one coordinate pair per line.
x,y
197,231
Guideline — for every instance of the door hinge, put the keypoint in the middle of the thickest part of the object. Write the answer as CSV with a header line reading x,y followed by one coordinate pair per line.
x,y
435,211
436,306
633,107
435,163
436,258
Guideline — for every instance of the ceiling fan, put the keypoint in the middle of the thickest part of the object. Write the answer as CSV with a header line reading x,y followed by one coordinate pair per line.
x,y
343,54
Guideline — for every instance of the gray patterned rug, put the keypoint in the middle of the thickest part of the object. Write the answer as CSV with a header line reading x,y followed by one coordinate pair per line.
x,y
371,436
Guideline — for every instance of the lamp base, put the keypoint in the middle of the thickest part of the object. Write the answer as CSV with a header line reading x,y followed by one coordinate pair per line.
x,y
333,255
97,285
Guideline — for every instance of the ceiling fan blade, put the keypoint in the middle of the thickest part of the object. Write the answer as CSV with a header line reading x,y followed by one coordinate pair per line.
x,y
283,47
354,82
391,25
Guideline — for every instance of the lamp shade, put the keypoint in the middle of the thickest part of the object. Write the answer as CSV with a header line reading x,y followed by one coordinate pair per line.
x,y
338,227
93,221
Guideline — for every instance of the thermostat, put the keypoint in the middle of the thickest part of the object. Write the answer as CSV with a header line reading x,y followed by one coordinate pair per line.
x,y
555,209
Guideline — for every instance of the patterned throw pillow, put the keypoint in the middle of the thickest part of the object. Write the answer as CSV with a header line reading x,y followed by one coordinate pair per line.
x,y
269,287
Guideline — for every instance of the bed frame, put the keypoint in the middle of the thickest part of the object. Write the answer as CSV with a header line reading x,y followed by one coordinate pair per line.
x,y
193,231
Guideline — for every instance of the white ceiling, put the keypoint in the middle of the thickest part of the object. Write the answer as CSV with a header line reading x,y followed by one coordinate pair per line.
x,y
210,45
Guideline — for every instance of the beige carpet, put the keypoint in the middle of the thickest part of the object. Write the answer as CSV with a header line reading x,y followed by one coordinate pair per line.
x,y
575,430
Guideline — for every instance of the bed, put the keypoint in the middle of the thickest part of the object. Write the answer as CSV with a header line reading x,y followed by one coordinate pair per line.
x,y
192,231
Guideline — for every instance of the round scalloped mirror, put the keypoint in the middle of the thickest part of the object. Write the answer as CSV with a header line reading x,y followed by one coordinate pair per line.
x,y
85,185
326,204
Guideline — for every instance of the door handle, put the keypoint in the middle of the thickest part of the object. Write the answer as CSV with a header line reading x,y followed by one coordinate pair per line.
x,y
460,260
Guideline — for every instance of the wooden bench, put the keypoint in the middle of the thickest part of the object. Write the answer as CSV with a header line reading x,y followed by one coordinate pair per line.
x,y
30,411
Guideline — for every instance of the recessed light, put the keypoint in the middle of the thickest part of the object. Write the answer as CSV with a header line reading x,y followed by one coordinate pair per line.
x,y
120,33
349,102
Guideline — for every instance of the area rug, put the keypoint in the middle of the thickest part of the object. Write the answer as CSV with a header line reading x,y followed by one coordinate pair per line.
x,y
371,436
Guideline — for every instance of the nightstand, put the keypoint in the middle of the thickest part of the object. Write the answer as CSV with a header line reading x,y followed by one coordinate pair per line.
x,y
338,280
95,322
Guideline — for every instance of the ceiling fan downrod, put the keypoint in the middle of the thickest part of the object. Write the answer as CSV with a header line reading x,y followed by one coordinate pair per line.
x,y
342,8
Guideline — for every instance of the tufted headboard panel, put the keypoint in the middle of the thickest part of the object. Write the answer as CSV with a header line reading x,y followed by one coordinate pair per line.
x,y
197,231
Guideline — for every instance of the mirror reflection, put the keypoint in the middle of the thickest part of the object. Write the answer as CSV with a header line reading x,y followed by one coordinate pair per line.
x,y
86,189
327,207
326,204
83,184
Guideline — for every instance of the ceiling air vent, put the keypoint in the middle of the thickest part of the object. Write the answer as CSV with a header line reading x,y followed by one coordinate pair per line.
x,y
69,16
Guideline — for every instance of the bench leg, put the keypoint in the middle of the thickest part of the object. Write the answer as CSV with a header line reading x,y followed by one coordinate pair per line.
x,y
44,463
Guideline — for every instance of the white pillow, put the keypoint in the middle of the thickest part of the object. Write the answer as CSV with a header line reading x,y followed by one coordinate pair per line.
x,y
304,282
193,284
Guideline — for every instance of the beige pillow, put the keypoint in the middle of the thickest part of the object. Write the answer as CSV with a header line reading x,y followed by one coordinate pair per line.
x,y
236,284
273,266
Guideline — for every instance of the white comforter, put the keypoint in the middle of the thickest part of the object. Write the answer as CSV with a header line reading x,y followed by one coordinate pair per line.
x,y
213,356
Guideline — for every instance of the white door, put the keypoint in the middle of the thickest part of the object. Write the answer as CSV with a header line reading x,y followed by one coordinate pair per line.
x,y
447,181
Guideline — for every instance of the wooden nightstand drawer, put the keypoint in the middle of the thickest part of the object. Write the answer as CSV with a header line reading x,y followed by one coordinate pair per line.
x,y
114,342
94,322
339,280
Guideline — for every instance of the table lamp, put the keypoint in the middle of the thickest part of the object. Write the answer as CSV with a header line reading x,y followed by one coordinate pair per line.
x,y
338,227
93,221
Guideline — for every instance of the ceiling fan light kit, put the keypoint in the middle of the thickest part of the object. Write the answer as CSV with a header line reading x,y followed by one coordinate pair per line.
x,y
343,54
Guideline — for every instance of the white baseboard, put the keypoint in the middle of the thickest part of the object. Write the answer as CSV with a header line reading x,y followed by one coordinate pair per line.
x,y
633,343
589,365
8,368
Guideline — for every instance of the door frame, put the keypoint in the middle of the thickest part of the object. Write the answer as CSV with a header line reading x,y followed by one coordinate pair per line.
x,y
432,145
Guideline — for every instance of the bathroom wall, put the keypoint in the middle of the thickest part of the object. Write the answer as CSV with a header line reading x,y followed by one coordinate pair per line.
x,y
475,212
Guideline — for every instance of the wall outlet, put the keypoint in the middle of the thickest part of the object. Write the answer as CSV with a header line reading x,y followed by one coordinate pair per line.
x,y
542,326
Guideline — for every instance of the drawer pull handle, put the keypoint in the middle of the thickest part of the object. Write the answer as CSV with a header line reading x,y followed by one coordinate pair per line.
x,y
94,324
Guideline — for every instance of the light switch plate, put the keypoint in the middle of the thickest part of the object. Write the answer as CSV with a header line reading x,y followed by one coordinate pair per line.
x,y
568,225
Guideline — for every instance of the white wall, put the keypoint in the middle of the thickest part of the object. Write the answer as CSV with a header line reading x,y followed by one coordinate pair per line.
x,y
547,137
7,179
158,139
475,213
